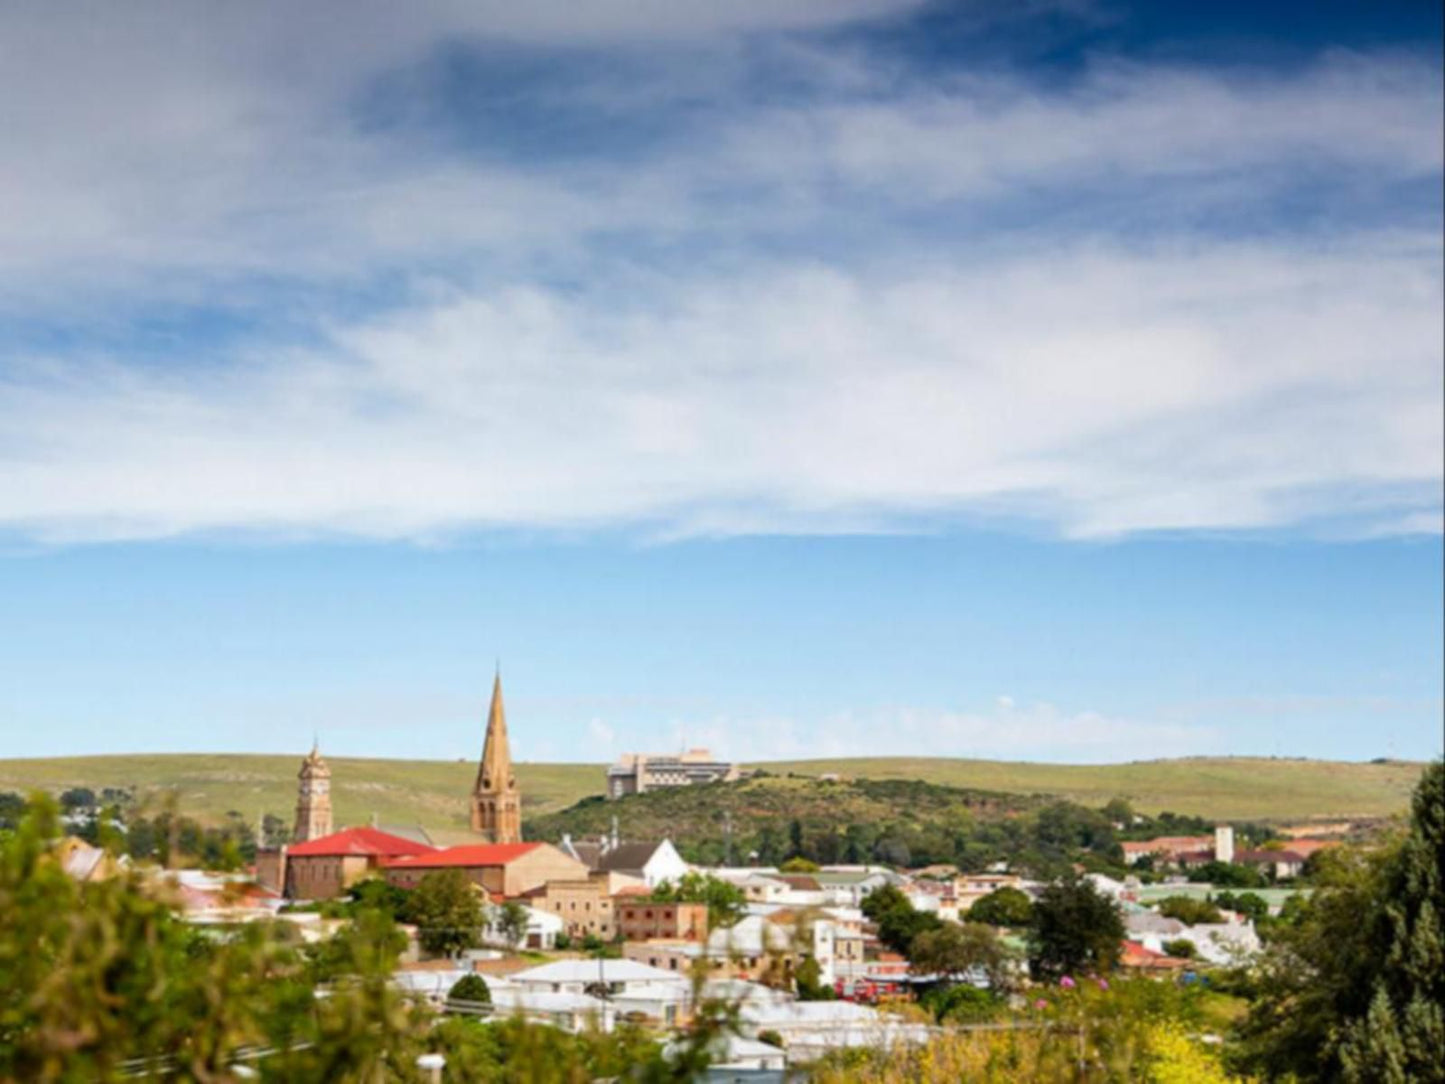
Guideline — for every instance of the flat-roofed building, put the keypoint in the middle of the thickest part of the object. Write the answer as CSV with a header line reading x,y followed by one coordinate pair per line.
x,y
637,773
644,919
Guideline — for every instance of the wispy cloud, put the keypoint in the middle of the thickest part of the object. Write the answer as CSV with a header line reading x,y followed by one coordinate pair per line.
x,y
881,302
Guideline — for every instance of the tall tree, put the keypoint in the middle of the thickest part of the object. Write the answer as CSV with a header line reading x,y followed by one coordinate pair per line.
x,y
1352,985
1401,1037
1074,928
447,911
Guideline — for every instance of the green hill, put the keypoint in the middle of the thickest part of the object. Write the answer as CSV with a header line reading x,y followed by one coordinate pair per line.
x,y
433,793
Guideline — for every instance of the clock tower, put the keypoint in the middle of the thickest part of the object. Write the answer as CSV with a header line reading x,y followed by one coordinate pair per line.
x,y
313,799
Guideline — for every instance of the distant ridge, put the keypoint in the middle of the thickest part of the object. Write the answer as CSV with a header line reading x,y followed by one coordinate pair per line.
x,y
434,793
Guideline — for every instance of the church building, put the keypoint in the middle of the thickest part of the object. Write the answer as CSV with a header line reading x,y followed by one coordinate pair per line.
x,y
313,799
496,801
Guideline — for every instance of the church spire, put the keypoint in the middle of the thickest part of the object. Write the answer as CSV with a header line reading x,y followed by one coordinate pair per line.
x,y
496,802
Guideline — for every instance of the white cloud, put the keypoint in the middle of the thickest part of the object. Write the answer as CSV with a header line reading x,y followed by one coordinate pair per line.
x,y
800,359
1037,732
1097,390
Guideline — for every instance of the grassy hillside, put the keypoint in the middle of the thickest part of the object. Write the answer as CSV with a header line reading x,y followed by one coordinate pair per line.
x,y
1226,788
433,793
428,792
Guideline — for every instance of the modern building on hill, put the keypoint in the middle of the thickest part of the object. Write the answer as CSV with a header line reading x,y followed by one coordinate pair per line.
x,y
313,798
637,773
496,801
323,868
507,870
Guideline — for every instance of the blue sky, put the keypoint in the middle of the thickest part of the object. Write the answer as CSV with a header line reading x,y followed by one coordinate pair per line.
x,y
1057,381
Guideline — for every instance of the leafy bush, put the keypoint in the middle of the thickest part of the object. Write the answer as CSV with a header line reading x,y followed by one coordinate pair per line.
x,y
1181,947
470,988
1190,911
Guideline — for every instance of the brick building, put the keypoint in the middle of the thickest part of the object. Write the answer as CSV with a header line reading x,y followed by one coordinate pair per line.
x,y
503,869
323,868
644,920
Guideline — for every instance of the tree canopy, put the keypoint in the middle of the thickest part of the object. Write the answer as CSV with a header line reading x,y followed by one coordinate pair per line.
x,y
1075,928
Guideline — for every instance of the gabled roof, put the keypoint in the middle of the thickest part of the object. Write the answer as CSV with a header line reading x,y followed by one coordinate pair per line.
x,y
476,854
627,856
368,842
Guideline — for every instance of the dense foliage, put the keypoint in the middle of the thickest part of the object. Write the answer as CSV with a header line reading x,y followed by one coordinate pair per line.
x,y
1075,929
1003,907
1353,983
725,900
894,822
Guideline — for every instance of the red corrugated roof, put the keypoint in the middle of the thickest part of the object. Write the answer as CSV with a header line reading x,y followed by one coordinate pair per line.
x,y
476,854
357,841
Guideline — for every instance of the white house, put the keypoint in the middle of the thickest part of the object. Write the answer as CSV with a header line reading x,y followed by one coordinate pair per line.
x,y
812,1028
629,986
541,933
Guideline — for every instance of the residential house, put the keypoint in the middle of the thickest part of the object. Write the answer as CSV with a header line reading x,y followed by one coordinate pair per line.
x,y
650,863
540,933
635,990
645,919
584,906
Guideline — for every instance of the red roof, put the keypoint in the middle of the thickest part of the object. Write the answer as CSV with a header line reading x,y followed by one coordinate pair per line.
x,y
476,854
1133,954
369,842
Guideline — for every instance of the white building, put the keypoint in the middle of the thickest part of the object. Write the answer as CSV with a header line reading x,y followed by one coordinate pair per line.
x,y
541,933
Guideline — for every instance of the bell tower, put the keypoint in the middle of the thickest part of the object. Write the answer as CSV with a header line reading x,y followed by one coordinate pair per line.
x,y
496,801
313,799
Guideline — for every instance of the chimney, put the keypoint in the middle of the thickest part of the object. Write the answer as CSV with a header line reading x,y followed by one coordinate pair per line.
x,y
1224,843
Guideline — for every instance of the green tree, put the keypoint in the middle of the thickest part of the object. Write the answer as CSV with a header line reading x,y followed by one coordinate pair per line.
x,y
512,923
898,922
1352,984
725,900
470,988
1075,928
1180,947
1189,911
808,981
799,865
1003,907
953,950
447,912
1401,1035
1249,904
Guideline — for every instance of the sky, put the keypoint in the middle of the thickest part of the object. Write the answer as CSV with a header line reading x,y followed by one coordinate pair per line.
x,y
1043,381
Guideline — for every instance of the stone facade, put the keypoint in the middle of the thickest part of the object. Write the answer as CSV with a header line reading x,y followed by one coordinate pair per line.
x,y
496,799
313,799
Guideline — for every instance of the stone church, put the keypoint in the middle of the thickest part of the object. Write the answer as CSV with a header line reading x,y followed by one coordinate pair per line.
x,y
496,800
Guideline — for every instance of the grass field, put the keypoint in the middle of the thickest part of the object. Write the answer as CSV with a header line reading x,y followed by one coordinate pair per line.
x,y
433,793
1227,788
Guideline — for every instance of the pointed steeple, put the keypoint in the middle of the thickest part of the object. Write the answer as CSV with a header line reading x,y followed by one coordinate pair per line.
x,y
495,771
496,802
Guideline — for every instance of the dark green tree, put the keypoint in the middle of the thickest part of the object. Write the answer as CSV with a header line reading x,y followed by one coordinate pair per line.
x,y
1401,1036
1075,928
470,988
1003,907
1352,984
